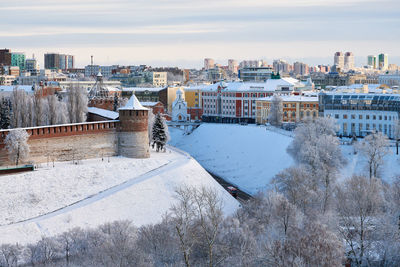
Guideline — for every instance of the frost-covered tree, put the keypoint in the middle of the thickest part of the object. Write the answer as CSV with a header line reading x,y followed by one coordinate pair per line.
x,y
160,132
77,102
276,111
150,123
53,107
40,107
5,113
374,147
295,184
397,135
316,147
17,145
359,203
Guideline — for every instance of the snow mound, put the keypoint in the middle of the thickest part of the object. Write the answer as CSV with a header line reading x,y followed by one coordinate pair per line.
x,y
141,194
247,156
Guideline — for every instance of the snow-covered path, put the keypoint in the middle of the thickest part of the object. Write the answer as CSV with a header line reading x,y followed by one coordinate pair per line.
x,y
142,199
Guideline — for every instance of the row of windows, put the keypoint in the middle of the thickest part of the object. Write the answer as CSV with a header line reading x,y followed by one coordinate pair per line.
x,y
386,129
367,117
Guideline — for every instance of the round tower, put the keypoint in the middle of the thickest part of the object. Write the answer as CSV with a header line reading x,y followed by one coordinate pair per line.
x,y
132,131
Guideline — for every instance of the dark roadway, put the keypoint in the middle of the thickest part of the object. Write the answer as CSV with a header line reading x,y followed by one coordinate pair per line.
x,y
242,196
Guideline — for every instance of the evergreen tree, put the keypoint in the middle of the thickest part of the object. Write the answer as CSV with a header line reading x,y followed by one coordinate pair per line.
x,y
5,114
160,132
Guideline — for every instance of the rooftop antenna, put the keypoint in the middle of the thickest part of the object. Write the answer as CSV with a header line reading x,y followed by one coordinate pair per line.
x,y
91,60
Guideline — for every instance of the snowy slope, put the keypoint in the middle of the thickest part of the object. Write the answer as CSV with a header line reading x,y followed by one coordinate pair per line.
x,y
143,199
247,156
357,164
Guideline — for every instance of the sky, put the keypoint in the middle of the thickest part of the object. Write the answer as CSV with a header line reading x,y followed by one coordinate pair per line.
x,y
184,32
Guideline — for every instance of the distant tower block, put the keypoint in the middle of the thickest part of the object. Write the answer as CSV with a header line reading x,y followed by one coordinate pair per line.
x,y
132,131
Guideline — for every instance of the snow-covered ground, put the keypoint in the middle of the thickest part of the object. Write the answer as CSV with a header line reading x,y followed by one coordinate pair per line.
x,y
246,155
249,155
50,201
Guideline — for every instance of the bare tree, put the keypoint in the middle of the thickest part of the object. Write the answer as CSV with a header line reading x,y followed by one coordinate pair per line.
x,y
77,104
40,107
359,202
183,214
17,145
208,210
10,255
374,147
53,107
276,111
295,184
397,135
316,146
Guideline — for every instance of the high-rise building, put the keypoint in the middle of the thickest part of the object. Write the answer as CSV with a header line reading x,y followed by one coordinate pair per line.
x,y
233,66
58,61
32,66
383,60
339,60
18,60
349,61
209,63
371,61
300,68
281,66
252,64
5,57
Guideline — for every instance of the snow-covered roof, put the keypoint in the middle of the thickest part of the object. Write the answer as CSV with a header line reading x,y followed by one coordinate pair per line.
x,y
142,89
292,98
133,104
104,113
10,88
149,104
269,85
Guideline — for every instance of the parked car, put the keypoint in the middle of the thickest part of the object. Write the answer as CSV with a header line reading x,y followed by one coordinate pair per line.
x,y
233,191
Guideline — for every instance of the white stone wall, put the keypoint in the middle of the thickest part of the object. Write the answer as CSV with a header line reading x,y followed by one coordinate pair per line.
x,y
134,144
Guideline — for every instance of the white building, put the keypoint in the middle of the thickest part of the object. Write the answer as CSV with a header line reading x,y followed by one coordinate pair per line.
x,y
358,114
390,79
339,60
349,61
236,101
179,107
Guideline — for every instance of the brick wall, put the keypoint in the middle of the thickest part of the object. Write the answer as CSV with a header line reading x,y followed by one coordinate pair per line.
x,y
67,142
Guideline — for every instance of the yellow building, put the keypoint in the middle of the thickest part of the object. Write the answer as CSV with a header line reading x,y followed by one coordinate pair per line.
x,y
159,79
193,97
295,108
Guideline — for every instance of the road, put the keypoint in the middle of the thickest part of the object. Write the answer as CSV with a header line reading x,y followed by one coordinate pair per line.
x,y
242,196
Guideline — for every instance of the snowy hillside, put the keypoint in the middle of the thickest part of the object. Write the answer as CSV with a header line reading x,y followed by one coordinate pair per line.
x,y
50,201
249,156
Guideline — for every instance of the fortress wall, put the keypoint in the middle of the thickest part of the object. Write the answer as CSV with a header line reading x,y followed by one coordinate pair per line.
x,y
67,142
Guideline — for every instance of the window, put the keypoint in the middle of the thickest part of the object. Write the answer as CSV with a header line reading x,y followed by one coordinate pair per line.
x,y
353,116
367,117
385,118
360,117
374,117
336,116
344,116
344,128
380,117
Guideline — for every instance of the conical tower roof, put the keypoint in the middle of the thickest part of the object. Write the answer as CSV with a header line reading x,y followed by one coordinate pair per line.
x,y
133,104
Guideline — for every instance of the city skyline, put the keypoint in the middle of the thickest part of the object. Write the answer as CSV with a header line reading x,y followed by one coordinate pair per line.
x,y
182,33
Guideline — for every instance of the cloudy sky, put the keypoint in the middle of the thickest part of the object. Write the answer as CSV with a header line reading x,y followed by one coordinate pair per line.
x,y
183,32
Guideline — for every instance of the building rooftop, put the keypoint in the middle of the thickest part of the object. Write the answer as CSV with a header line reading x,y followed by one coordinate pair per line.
x,y
133,104
104,113
292,98
269,85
